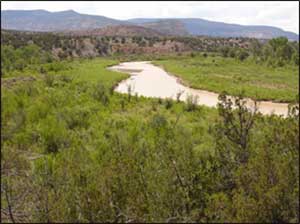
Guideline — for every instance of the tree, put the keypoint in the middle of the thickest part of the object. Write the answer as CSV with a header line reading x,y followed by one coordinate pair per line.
x,y
279,51
232,53
225,51
295,57
256,48
237,124
242,54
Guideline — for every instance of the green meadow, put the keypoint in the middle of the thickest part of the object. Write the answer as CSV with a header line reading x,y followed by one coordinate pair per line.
x,y
218,74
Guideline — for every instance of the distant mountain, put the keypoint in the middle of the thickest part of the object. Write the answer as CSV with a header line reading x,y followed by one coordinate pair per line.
x,y
118,30
204,27
42,20
218,29
167,26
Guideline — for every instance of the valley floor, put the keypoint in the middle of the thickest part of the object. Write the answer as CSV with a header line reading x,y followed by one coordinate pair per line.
x,y
73,150
218,74
151,81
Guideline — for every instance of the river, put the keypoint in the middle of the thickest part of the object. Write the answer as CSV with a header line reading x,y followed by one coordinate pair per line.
x,y
149,80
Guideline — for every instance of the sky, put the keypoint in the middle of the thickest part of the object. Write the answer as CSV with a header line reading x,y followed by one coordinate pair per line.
x,y
282,14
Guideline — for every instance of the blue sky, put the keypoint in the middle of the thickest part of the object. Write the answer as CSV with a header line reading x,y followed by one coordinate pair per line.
x,y
283,14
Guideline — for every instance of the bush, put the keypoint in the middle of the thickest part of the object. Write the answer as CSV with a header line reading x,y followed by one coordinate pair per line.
x,y
232,53
242,55
224,51
168,103
178,95
76,117
100,94
130,90
43,70
154,105
122,103
57,66
49,80
158,122
160,101
295,58
66,78
21,57
53,134
191,102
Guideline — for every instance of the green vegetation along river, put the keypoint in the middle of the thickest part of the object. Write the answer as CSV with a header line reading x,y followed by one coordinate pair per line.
x,y
75,151
217,74
151,81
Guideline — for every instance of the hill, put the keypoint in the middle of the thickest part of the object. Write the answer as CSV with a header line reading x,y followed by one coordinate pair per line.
x,y
118,30
198,27
42,20
169,27
100,43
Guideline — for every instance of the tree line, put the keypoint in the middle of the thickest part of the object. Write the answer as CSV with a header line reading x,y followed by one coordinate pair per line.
x,y
276,52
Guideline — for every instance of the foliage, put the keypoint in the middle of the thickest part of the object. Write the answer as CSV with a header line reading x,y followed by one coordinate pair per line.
x,y
73,152
254,176
277,52
18,59
219,74
191,103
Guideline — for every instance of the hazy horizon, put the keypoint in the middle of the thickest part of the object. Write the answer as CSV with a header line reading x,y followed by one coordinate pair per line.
x,y
284,15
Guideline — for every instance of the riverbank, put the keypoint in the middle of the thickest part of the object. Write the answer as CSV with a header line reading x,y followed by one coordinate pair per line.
x,y
153,81
218,74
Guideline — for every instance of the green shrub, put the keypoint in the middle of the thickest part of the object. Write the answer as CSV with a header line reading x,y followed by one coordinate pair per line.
x,y
168,103
242,55
66,78
158,122
160,101
130,90
100,94
76,117
49,80
191,102
232,53
53,134
178,95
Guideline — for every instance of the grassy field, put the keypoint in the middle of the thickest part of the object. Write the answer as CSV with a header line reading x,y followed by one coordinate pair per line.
x,y
219,74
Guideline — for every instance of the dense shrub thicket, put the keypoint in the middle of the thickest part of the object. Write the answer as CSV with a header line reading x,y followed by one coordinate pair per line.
x,y
276,52
18,59
71,151
44,46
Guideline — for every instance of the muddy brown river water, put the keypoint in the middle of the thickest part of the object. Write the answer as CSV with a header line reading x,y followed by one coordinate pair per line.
x,y
149,80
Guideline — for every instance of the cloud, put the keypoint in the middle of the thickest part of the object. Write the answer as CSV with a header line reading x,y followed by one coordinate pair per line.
x,y
283,14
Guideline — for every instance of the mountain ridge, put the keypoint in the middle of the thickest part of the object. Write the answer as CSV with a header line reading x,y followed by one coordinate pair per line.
x,y
117,30
70,20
